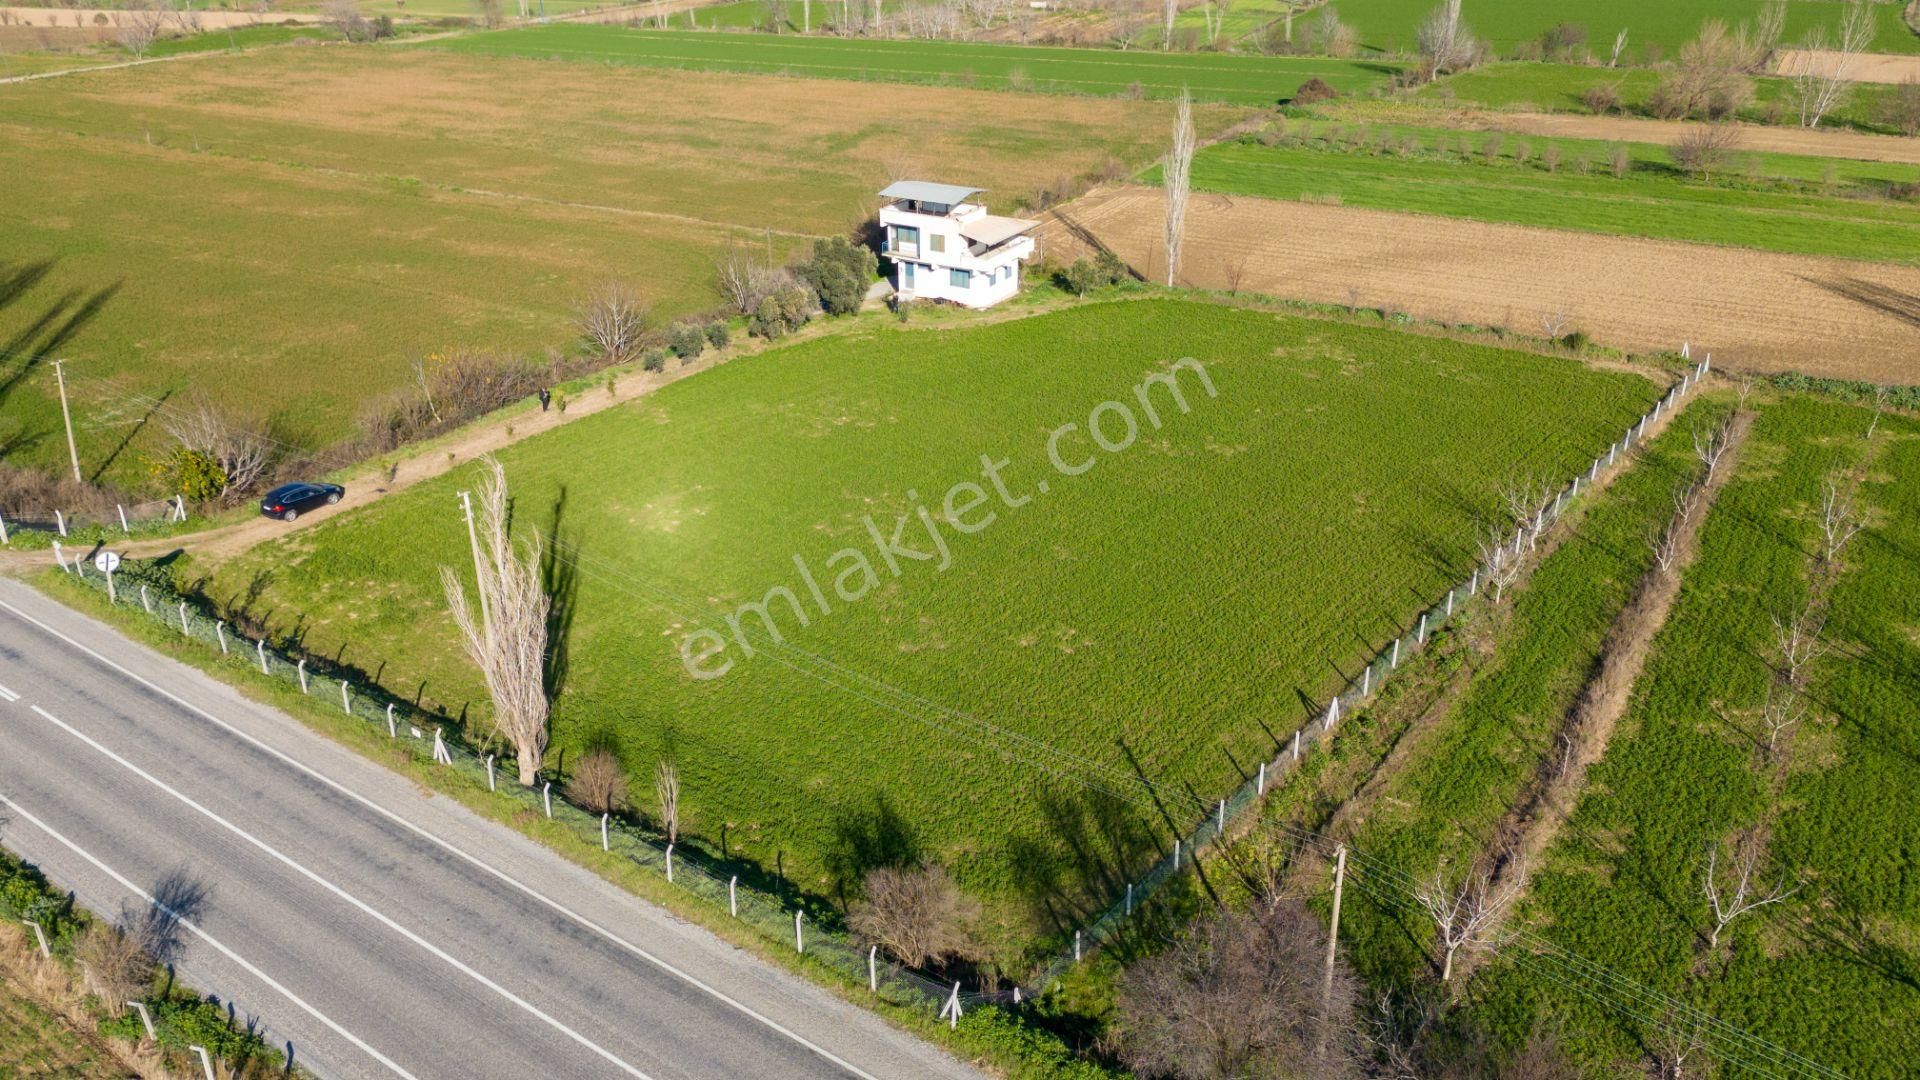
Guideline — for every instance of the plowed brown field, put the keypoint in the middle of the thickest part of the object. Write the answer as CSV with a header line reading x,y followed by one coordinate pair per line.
x,y
1754,310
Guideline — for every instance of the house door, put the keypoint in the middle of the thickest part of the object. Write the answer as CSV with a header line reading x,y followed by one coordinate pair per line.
x,y
906,277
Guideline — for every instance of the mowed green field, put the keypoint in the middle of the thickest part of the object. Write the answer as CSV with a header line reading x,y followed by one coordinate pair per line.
x,y
1653,200
1504,24
1236,79
1168,614
214,231
1560,87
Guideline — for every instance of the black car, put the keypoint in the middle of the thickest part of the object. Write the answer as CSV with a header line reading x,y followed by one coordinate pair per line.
x,y
289,501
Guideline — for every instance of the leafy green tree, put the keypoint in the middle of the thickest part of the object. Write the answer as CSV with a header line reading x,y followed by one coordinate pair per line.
x,y
839,272
193,473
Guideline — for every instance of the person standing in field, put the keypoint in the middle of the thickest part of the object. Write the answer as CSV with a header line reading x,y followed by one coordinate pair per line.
x,y
546,398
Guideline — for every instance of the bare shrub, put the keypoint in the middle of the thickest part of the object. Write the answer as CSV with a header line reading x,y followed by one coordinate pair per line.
x,y
1619,161
918,915
598,782
1445,44
1466,911
244,450
1601,99
1711,79
1704,148
141,26
27,490
611,320
508,641
1900,109
115,964
1241,995
449,388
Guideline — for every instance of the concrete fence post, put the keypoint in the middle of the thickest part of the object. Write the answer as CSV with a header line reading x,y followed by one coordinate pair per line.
x,y
220,630
669,864
1296,744
546,795
1129,908
393,734
184,632
799,940
123,519
1612,451
1220,819
1076,949
1593,473
146,1018
40,936
604,846
180,507
1366,680
1333,712
440,754
60,557
1176,853
953,1001
206,1063
261,648
733,896
1395,662
302,666
873,968
1450,593
1422,636
3,530
1473,584
1260,782
346,706
60,519
490,786
112,595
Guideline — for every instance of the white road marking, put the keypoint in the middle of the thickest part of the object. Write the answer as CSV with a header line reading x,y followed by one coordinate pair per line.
x,y
287,861
209,939
451,849
8,695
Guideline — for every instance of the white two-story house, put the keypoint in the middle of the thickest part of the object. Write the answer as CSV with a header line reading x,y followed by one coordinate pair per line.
x,y
945,248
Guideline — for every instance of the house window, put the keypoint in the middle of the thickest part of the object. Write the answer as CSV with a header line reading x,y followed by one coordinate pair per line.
x,y
937,242
906,239
960,279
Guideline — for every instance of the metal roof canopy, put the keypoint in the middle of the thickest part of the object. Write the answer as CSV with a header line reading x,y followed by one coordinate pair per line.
x,y
928,192
992,231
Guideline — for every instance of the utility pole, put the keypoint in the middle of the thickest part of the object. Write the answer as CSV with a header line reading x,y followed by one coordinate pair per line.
x,y
479,580
1333,932
72,453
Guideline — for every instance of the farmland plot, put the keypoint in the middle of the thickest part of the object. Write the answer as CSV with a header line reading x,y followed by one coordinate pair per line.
x,y
215,231
1820,973
1504,24
1158,616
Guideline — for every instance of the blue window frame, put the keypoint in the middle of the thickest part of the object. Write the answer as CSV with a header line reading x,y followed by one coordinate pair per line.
x,y
960,279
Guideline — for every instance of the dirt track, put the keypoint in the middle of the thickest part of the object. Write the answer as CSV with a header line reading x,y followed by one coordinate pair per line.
x,y
1755,310
1777,140
1871,68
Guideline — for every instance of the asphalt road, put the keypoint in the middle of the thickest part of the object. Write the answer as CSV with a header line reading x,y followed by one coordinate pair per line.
x,y
379,930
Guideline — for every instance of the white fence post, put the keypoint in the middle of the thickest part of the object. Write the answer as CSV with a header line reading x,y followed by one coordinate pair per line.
x,y
123,519
490,786
303,674
1220,818
669,864
604,846
205,1061
1395,662
799,942
1473,583
1176,853
40,936
1296,744
1076,954
112,595
873,968
1333,712
546,795
1450,593
3,529
1422,637
952,1010
393,734
440,754
1366,680
60,557
183,620
60,519
261,648
146,1018
733,896
345,705
180,507
220,629
1260,783
1129,899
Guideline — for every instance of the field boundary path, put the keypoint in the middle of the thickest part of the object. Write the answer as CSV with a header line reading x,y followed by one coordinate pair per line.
x,y
1753,310
1822,142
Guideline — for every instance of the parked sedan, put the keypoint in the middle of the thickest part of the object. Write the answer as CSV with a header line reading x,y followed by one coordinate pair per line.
x,y
289,501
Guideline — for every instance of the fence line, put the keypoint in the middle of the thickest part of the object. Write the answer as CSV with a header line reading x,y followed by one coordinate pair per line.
x,y
784,920
62,523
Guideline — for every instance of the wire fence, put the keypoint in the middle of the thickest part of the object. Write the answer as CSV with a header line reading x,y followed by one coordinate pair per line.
x,y
29,523
779,913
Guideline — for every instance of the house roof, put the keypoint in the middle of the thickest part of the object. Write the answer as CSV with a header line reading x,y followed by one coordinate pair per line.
x,y
926,191
991,230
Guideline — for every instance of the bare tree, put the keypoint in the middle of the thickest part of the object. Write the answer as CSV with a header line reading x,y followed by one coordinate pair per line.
x,y
490,12
1783,712
1240,996
744,281
1746,389
1666,542
1619,46
115,964
1797,643
1882,397
1466,912
1704,148
1729,881
1178,180
243,451
1679,1037
666,788
1502,562
1445,44
1840,521
1233,270
1712,447
1821,75
508,640
1168,9
598,782
140,26
918,914
611,321
1554,323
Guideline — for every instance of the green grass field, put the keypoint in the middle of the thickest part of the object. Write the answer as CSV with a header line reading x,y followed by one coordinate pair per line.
x,y
1653,200
1559,88
1165,612
36,1045
1505,24
1828,974
1235,79
215,233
